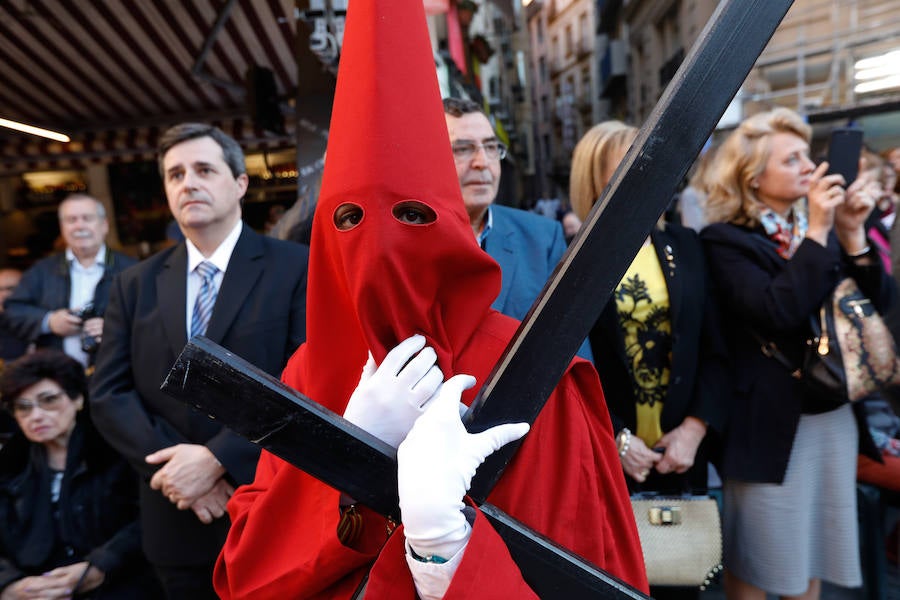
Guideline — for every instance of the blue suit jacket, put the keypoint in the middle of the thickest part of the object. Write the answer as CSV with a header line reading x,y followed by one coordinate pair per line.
x,y
527,247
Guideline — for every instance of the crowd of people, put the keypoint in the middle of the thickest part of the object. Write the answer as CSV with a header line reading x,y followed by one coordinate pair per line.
x,y
415,277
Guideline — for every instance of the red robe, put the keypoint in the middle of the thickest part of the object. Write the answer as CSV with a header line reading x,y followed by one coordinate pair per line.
x,y
565,482
393,255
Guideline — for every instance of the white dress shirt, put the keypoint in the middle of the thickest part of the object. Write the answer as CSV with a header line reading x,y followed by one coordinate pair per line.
x,y
82,283
219,258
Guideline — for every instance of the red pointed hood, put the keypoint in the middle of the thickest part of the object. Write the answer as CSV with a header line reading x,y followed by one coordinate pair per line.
x,y
382,278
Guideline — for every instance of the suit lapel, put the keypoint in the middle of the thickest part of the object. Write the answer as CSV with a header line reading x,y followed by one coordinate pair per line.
x,y
244,269
499,245
171,297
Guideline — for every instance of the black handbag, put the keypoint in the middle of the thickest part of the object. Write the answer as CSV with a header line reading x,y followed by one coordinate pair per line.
x,y
850,353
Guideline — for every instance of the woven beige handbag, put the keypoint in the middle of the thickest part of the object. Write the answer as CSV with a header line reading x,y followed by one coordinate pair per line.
x,y
681,538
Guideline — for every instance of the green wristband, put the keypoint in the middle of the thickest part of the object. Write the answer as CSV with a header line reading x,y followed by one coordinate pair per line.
x,y
432,558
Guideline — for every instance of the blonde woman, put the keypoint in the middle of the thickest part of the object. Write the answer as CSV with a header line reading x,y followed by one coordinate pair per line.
x,y
656,344
789,460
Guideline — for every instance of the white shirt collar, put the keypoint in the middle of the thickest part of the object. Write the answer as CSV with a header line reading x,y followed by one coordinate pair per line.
x,y
488,224
222,254
100,259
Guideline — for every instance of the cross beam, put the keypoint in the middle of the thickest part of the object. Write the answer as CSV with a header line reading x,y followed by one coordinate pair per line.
x,y
307,435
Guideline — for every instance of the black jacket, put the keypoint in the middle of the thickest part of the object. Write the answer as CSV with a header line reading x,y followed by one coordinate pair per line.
x,y
97,514
46,287
698,384
760,291
259,314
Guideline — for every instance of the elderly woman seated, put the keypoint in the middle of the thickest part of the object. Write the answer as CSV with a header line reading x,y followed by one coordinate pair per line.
x,y
68,504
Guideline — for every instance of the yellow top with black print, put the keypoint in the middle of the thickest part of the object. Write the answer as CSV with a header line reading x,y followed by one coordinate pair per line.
x,y
642,303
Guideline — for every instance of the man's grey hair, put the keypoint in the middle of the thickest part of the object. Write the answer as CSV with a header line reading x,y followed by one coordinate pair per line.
x,y
101,209
231,150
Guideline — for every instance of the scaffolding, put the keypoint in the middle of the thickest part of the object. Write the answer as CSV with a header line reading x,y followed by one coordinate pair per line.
x,y
809,64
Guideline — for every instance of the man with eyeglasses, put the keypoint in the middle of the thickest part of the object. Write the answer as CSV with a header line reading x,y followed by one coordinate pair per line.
x,y
60,301
525,245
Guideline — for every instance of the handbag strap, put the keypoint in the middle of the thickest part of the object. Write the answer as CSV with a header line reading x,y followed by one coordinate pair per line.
x,y
770,349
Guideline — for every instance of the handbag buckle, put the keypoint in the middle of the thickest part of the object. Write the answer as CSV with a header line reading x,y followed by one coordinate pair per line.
x,y
857,306
664,515
823,344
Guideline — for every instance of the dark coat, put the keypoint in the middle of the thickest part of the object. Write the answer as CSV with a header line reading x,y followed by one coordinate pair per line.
x,y
11,345
97,516
46,287
760,291
698,384
260,315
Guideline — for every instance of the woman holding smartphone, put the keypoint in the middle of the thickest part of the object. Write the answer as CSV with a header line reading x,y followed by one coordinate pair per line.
x,y
790,459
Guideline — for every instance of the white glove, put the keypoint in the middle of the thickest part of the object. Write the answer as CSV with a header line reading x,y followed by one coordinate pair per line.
x,y
436,463
389,399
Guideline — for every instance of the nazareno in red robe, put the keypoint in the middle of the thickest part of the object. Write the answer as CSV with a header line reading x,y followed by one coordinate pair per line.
x,y
378,278
565,482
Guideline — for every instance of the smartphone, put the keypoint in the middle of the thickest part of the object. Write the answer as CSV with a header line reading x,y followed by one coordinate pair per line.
x,y
844,149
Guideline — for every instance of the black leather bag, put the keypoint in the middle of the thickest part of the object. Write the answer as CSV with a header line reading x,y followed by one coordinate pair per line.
x,y
850,353
822,370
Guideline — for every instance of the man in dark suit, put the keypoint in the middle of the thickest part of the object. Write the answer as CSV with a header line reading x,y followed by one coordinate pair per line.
x,y
242,290
525,245
61,299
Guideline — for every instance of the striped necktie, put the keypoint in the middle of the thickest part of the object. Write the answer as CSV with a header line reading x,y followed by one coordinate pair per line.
x,y
206,298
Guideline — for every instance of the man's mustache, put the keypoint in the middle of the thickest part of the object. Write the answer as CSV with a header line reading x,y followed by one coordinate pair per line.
x,y
488,178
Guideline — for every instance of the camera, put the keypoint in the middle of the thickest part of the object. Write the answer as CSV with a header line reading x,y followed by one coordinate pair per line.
x,y
89,343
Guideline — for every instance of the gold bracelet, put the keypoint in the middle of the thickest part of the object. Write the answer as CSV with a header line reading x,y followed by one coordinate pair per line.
x,y
623,441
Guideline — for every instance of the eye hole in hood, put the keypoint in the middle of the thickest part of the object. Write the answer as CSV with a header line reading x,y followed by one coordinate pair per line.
x,y
348,215
413,212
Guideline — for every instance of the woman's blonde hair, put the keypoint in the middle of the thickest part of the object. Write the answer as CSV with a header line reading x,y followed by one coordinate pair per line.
x,y
740,160
590,162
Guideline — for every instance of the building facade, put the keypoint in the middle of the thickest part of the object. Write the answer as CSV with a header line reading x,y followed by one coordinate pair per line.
x,y
833,61
563,85
836,62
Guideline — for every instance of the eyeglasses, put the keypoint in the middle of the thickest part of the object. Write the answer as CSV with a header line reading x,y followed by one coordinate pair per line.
x,y
48,403
464,150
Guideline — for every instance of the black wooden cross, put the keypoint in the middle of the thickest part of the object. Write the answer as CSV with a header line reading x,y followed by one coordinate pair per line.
x,y
307,435
365,468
